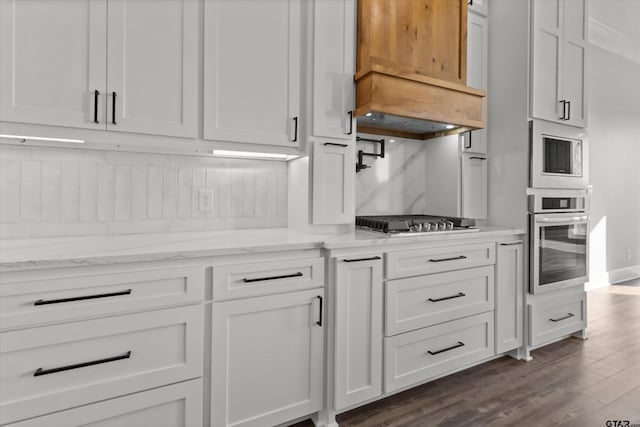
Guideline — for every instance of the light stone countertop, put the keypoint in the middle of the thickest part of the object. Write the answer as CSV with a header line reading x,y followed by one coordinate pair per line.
x,y
23,254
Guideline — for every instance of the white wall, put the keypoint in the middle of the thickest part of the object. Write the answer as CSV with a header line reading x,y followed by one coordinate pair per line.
x,y
64,192
614,137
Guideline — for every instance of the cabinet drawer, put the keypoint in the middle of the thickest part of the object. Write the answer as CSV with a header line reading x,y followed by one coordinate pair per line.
x,y
267,277
426,353
72,297
556,317
52,368
436,260
173,405
427,300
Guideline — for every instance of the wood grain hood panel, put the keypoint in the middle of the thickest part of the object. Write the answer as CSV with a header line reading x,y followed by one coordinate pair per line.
x,y
411,69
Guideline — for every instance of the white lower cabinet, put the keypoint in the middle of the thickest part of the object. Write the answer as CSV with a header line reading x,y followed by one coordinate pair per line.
x,y
53,368
509,294
358,329
176,405
267,359
429,352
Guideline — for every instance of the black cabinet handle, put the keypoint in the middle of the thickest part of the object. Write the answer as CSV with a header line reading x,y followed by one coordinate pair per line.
x,y
448,259
362,259
350,113
460,344
295,129
477,158
113,108
569,110
515,242
96,95
470,2
468,139
261,279
564,109
319,322
458,295
569,315
84,297
335,145
40,371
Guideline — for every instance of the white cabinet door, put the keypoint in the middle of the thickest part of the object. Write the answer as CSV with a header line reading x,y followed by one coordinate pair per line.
x,y
53,62
333,68
479,6
358,330
474,186
546,45
509,295
173,405
252,66
333,183
477,75
153,67
574,56
267,356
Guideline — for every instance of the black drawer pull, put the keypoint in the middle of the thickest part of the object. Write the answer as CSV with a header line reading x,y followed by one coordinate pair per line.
x,y
477,158
113,108
57,301
335,145
96,94
319,322
515,242
569,315
261,279
448,259
458,295
41,371
460,344
362,259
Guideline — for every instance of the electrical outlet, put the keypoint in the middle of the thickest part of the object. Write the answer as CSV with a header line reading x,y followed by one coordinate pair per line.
x,y
205,200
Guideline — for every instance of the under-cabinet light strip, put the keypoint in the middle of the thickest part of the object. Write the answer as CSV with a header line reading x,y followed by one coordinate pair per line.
x,y
39,138
253,155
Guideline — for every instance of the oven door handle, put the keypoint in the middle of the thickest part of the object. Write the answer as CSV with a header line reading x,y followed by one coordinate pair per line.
x,y
566,219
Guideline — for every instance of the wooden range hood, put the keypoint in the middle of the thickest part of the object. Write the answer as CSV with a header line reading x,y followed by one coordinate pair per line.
x,y
412,69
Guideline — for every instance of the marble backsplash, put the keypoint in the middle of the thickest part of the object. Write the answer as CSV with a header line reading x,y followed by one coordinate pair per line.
x,y
411,179
47,192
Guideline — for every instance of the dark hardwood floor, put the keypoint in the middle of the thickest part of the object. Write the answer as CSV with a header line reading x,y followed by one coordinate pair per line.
x,y
569,383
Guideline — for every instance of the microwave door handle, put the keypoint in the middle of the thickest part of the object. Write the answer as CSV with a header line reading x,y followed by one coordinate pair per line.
x,y
581,218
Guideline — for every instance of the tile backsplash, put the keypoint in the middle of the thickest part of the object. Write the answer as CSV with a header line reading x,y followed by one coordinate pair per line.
x,y
47,192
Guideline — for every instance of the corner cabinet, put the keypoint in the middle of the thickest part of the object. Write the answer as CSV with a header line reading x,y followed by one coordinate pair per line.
x,y
252,70
120,78
559,55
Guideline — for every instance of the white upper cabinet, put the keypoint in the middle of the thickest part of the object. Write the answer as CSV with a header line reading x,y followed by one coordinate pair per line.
x,y
52,61
333,68
559,48
478,6
252,68
76,63
152,67
333,183
477,73
474,186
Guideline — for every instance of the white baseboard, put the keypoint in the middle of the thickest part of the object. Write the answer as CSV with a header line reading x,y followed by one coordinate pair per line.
x,y
612,277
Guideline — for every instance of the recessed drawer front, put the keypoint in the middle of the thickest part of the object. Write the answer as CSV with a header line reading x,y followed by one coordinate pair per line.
x,y
556,317
428,300
417,356
436,260
267,277
73,297
52,368
173,405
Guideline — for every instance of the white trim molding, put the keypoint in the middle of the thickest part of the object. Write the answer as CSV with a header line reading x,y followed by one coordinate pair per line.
x,y
612,277
614,41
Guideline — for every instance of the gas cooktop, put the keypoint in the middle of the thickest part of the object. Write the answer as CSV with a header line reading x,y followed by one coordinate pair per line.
x,y
405,225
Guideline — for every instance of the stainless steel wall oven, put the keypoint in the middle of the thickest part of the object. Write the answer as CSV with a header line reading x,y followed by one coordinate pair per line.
x,y
559,237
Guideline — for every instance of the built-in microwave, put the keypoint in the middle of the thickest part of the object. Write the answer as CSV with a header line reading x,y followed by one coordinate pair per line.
x,y
559,156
